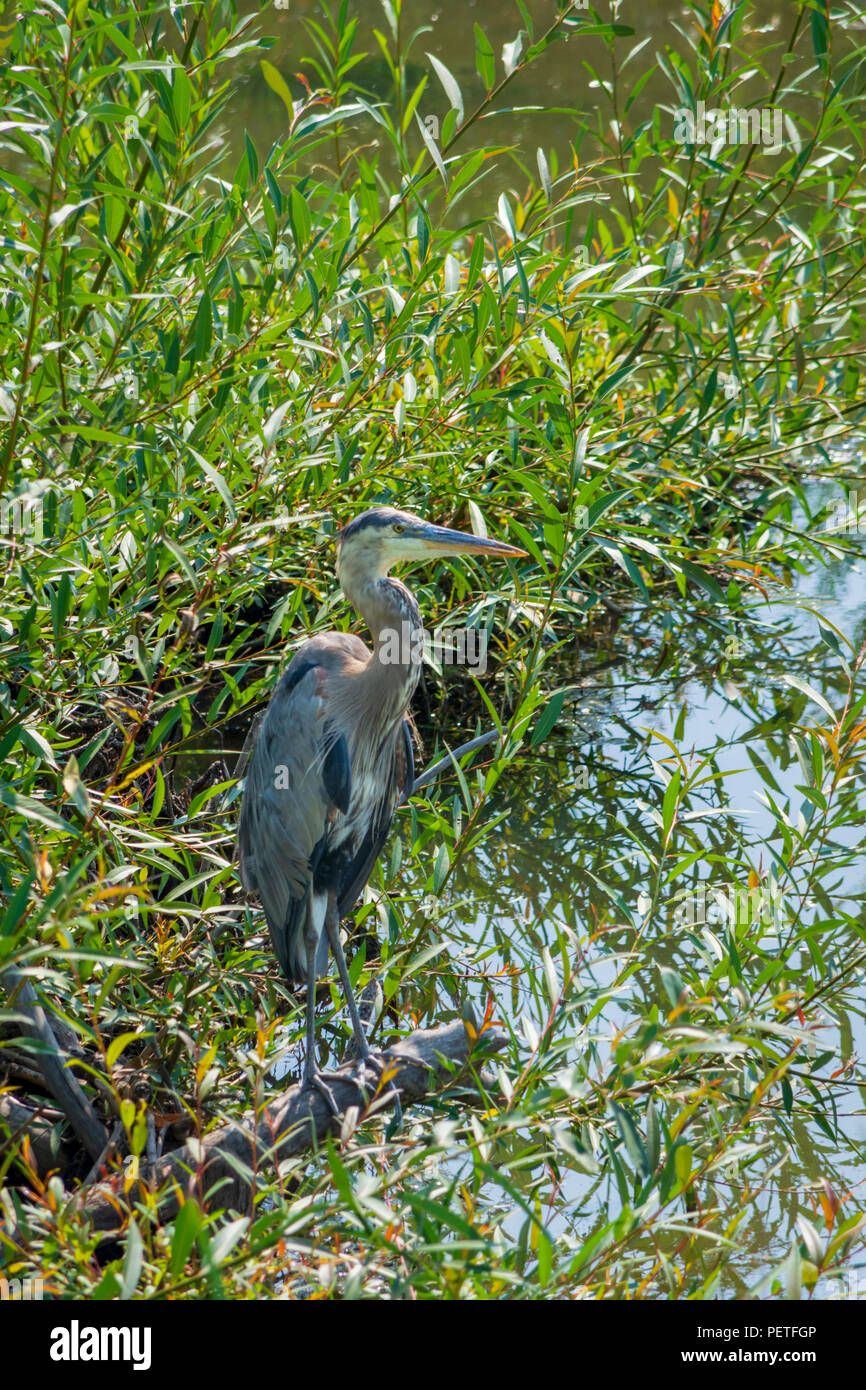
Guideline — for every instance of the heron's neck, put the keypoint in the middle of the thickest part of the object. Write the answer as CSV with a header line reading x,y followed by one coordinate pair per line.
x,y
392,614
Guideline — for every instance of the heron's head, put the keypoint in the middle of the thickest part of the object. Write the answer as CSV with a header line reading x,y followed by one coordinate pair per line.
x,y
384,536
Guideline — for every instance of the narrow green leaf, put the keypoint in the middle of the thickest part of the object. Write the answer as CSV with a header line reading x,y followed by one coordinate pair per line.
x,y
449,82
277,83
484,60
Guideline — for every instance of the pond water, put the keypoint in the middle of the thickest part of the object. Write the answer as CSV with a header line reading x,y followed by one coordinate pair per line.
x,y
567,846
544,106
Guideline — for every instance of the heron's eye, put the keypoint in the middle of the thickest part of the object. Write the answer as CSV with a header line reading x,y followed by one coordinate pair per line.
x,y
398,527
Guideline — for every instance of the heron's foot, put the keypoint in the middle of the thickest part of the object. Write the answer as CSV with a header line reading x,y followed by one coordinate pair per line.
x,y
365,1071
368,1064
397,1121
315,1080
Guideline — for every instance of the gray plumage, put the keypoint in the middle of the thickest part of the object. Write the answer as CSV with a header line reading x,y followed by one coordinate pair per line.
x,y
333,756
308,820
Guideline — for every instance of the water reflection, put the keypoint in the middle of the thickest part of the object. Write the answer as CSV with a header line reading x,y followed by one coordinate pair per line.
x,y
574,849
544,106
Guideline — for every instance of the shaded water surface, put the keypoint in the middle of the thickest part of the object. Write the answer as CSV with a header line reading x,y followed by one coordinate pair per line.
x,y
570,84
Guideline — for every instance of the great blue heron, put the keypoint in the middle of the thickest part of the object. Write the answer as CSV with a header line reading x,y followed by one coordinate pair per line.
x,y
333,756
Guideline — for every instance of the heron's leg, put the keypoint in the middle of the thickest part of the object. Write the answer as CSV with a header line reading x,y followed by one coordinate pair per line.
x,y
332,926
311,1066
312,1075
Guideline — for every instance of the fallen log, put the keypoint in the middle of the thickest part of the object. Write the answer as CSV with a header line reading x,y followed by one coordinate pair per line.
x,y
39,1123
222,1166
53,1062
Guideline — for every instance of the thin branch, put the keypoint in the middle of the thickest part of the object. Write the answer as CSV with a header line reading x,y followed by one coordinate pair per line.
x,y
447,763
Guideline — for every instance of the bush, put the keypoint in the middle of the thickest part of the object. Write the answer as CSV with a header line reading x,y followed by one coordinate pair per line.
x,y
644,369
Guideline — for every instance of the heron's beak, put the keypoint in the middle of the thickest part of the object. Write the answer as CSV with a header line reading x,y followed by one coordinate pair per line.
x,y
439,540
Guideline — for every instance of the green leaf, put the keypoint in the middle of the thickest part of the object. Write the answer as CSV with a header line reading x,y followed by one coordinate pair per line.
x,y
109,1286
299,214
820,30
422,232
202,328
626,564
544,174
449,82
219,483
226,1239
181,98
631,1139
60,606
670,802
252,158
506,217
701,578
75,788
132,1262
34,810
340,1175
16,907
548,718
314,291
673,985
432,148
545,1257
683,1162
180,555
653,1136
116,1046
511,54
631,277
187,1225
32,740
277,83
440,869
799,684
484,60
274,191
271,427
794,1273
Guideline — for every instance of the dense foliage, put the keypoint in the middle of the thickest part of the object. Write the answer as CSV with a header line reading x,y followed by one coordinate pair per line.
x,y
642,366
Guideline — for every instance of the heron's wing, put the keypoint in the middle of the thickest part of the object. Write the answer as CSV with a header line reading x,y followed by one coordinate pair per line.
x,y
294,779
399,787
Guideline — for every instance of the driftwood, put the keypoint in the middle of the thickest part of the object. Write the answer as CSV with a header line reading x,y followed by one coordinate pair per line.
x,y
222,1166
53,1062
38,1122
